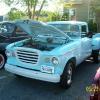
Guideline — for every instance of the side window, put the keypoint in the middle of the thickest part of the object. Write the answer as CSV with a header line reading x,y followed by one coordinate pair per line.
x,y
19,32
84,31
7,29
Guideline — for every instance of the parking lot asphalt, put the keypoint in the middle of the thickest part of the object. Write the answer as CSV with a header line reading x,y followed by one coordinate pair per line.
x,y
14,88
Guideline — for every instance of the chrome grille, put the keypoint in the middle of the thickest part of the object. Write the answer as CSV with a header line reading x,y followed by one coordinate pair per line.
x,y
27,56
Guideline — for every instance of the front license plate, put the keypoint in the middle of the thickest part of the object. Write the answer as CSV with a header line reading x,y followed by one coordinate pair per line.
x,y
47,69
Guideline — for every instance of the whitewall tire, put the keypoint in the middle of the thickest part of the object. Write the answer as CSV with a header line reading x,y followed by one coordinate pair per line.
x,y
2,61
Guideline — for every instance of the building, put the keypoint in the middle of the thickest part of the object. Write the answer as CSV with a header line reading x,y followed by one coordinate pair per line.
x,y
78,10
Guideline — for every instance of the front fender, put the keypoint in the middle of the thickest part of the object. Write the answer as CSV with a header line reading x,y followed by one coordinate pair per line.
x,y
96,43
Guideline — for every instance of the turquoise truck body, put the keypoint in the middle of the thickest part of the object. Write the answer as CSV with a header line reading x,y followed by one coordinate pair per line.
x,y
45,55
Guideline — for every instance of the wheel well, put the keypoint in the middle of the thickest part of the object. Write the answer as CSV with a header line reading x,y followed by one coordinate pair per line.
x,y
3,53
73,59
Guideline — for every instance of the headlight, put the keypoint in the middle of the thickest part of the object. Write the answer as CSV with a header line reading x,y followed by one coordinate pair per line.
x,y
9,53
55,60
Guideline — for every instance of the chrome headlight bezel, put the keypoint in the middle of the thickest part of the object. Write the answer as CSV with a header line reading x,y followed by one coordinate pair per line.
x,y
9,53
55,60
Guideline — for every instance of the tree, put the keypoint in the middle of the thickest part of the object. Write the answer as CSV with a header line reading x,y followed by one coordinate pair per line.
x,y
40,9
31,6
15,14
65,17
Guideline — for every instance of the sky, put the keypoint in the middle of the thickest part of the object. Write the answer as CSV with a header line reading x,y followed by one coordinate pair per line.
x,y
3,8
52,6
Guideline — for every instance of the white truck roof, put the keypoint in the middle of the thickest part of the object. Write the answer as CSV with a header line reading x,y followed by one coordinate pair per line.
x,y
68,22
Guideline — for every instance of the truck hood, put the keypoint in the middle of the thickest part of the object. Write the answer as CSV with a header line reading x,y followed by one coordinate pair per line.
x,y
35,28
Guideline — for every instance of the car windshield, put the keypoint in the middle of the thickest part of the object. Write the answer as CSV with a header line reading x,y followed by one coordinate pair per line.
x,y
45,30
71,30
6,28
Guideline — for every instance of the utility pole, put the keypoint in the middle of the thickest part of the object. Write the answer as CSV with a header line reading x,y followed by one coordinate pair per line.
x,y
89,2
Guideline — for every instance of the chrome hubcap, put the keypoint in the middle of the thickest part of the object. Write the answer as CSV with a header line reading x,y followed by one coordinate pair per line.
x,y
69,75
1,61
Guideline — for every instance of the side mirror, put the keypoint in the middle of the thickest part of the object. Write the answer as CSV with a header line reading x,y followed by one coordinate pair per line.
x,y
89,34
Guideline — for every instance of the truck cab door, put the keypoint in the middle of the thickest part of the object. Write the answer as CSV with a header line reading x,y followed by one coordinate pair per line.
x,y
86,43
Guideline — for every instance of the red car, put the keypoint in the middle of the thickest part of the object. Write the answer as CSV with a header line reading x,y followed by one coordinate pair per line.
x,y
95,95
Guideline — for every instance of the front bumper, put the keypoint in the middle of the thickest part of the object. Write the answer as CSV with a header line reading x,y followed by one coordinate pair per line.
x,y
32,74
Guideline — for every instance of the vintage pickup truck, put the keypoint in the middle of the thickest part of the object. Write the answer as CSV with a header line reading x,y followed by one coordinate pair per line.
x,y
50,54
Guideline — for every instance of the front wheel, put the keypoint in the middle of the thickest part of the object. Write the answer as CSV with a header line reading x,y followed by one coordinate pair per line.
x,y
95,55
2,61
66,78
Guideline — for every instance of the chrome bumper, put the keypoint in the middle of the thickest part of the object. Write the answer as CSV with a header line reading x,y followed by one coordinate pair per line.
x,y
32,74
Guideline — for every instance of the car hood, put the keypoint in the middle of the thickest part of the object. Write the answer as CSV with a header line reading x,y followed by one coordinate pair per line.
x,y
35,28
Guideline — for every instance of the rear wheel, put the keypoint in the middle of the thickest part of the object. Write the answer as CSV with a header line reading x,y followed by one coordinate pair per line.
x,y
66,78
95,55
2,61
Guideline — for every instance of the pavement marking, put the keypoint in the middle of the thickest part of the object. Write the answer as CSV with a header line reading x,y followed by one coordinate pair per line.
x,y
3,77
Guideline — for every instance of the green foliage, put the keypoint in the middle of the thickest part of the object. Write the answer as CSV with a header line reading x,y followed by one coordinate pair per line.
x,y
32,12
92,26
55,17
31,6
15,14
59,17
52,16
95,5
65,17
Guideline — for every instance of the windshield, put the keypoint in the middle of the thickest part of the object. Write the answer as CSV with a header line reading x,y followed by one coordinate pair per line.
x,y
45,30
71,30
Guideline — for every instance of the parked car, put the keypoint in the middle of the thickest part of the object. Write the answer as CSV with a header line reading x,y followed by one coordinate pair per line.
x,y
50,55
9,32
95,95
